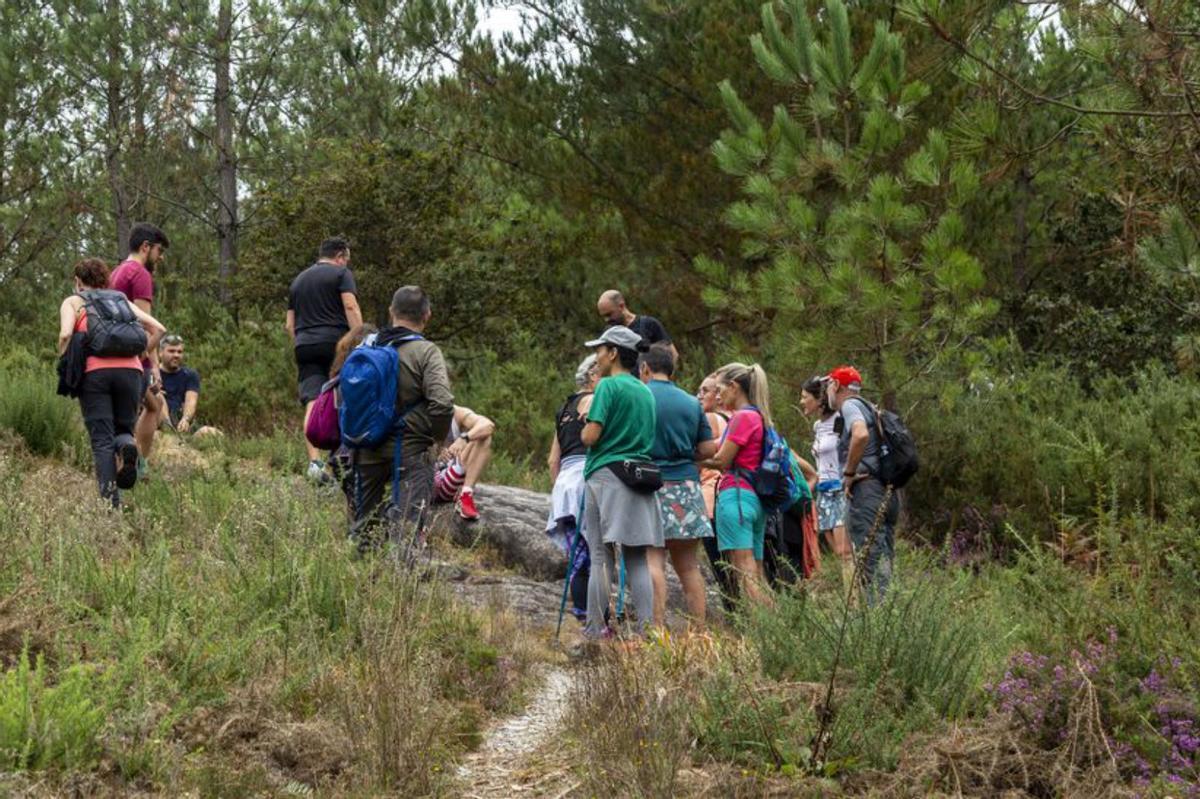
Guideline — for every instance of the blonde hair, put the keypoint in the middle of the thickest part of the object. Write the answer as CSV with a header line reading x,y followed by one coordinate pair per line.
x,y
753,381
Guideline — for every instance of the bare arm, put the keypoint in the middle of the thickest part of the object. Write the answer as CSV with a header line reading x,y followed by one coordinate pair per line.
x,y
154,328
290,324
190,399
353,312
859,438
810,473
475,425
706,449
592,431
724,457
555,459
67,312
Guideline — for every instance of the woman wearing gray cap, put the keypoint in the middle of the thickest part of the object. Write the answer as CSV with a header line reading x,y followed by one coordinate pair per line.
x,y
619,509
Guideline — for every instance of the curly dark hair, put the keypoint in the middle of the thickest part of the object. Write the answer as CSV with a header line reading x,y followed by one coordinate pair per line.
x,y
92,272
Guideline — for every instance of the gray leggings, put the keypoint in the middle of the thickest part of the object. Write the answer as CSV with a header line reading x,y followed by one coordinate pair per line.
x,y
637,576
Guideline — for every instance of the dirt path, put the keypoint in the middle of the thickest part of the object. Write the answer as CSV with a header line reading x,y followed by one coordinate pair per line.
x,y
516,756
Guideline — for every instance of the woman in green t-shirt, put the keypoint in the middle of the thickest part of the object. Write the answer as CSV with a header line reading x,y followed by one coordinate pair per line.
x,y
620,426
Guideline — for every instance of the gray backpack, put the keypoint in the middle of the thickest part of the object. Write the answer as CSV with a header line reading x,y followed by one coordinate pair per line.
x,y
112,328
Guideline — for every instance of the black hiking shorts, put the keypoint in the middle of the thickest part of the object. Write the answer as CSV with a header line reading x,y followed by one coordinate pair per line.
x,y
313,361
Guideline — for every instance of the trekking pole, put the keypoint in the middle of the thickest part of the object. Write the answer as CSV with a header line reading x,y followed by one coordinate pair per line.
x,y
620,582
572,555
819,738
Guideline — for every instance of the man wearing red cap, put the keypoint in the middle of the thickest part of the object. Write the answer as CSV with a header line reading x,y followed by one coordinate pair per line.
x,y
858,450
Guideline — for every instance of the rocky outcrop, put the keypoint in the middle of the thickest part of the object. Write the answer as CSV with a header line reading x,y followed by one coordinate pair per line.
x,y
513,523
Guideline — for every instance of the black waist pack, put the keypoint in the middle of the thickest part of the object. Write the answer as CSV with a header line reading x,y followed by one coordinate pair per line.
x,y
642,476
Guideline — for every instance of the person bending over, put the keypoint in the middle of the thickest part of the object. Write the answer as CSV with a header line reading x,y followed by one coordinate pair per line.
x,y
468,450
614,311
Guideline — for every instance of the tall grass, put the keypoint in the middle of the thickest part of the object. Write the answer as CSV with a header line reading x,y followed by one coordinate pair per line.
x,y
221,609
46,423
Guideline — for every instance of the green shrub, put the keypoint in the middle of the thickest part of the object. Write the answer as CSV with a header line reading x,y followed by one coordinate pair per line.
x,y
918,656
1042,449
49,725
47,423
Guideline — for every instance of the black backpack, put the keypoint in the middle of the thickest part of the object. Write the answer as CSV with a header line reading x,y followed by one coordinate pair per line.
x,y
112,328
898,460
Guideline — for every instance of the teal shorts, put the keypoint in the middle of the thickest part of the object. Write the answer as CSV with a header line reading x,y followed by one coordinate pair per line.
x,y
744,529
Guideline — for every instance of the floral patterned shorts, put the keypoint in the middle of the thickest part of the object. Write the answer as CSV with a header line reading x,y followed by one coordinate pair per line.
x,y
831,509
681,506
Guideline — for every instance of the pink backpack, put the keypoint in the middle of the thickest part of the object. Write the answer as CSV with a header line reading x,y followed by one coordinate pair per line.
x,y
322,430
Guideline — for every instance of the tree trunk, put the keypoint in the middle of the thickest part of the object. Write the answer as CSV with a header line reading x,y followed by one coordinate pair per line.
x,y
114,119
227,213
1020,258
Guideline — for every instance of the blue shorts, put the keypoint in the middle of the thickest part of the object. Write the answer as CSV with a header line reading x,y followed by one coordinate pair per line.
x,y
741,523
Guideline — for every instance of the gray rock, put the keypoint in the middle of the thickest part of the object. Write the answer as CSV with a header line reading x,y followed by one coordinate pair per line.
x,y
513,522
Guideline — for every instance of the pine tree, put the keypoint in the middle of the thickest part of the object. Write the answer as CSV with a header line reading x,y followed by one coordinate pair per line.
x,y
852,215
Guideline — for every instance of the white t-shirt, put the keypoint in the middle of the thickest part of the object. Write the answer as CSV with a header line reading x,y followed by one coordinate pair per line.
x,y
825,450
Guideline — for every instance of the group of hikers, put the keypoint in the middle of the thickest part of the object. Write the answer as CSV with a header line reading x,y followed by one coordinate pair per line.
x,y
643,470
126,370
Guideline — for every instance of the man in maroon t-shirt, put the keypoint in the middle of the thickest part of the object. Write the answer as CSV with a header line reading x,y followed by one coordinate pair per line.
x,y
134,278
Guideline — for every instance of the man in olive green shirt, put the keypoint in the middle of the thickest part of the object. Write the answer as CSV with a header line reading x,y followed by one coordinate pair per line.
x,y
424,387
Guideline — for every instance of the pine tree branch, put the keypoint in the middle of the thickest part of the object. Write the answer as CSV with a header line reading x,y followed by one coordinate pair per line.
x,y
966,51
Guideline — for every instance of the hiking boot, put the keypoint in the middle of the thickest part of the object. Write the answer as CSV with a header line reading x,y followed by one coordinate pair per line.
x,y
130,465
318,473
590,646
466,506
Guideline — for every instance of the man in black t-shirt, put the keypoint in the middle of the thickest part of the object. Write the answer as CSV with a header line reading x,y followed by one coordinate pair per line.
x,y
614,312
322,307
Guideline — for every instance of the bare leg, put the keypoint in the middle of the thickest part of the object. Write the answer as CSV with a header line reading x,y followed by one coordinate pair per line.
x,y
839,542
687,566
656,558
475,459
314,454
147,424
749,572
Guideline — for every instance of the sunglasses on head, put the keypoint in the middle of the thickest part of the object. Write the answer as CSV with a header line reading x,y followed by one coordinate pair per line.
x,y
172,340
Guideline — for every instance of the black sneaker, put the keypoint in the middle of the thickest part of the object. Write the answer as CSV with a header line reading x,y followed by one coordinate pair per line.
x,y
127,474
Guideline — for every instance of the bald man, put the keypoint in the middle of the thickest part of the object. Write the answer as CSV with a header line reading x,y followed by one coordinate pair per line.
x,y
614,311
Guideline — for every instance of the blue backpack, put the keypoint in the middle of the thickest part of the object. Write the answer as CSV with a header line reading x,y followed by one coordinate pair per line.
x,y
368,416
774,480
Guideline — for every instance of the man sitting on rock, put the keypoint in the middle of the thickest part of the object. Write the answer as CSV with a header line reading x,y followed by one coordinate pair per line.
x,y
181,385
468,450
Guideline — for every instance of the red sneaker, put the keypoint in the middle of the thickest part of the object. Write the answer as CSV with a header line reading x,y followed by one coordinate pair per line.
x,y
466,507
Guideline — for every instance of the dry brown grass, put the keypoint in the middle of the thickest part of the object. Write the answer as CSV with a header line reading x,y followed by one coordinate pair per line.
x,y
993,757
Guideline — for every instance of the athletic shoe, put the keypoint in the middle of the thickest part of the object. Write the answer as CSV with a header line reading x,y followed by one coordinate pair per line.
x,y
466,506
143,468
131,465
318,473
